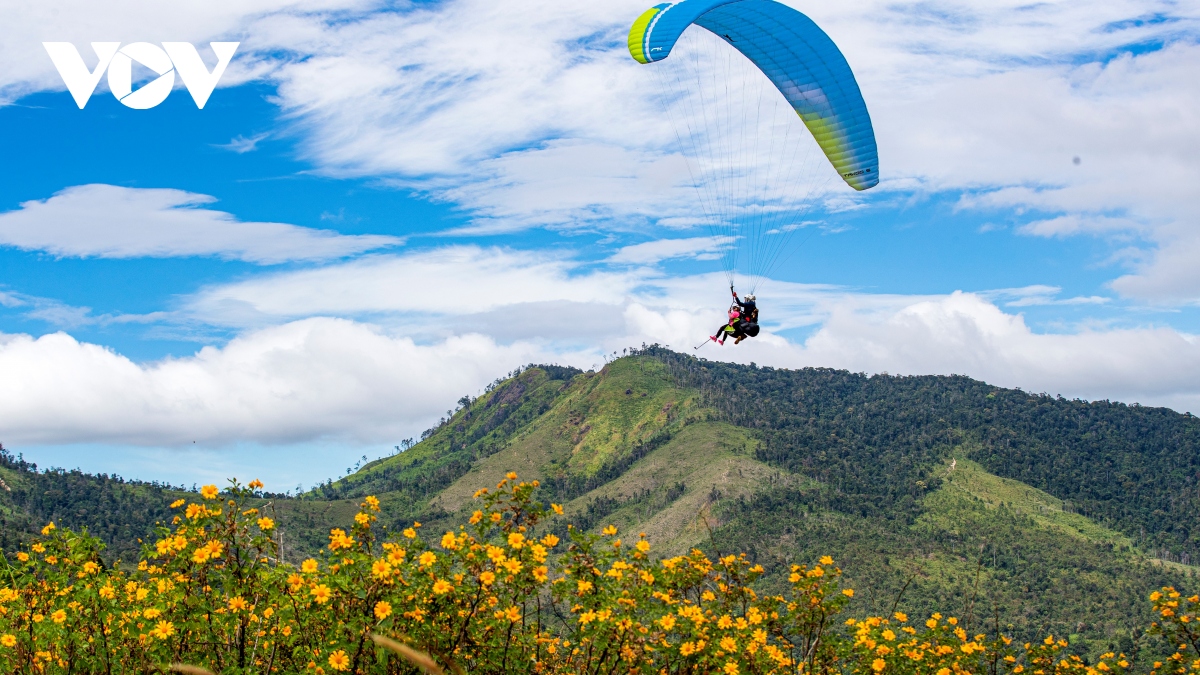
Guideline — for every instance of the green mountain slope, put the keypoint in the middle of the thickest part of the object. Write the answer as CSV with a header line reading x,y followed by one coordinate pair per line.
x,y
1037,512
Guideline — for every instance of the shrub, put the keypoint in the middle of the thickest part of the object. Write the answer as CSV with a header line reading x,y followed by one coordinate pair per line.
x,y
500,594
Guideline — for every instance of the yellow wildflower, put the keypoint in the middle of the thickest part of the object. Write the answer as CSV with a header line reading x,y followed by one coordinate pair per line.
x,y
339,660
381,569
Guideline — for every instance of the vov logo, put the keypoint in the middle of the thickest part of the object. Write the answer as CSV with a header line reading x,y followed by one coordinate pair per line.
x,y
171,58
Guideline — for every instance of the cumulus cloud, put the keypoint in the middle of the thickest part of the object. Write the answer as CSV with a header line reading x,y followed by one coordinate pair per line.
x,y
532,114
962,333
326,378
108,221
313,379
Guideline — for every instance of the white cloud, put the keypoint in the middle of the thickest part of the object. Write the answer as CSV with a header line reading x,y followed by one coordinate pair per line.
x,y
27,68
1073,224
704,248
324,378
313,379
516,297
241,145
531,113
964,334
107,221
1031,296
1171,274
450,281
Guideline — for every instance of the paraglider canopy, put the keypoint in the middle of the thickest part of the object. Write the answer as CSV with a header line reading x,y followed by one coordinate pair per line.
x,y
733,92
797,56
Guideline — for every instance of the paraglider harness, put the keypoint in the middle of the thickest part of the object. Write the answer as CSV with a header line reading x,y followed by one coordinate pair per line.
x,y
747,323
743,321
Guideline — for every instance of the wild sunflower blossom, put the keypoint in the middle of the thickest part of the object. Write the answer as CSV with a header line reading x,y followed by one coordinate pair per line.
x,y
500,592
339,660
321,593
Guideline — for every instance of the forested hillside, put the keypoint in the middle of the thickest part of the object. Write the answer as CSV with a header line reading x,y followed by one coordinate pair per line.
x,y
1030,511
115,510
873,442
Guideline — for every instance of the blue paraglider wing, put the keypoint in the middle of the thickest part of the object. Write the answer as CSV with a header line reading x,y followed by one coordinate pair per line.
x,y
796,55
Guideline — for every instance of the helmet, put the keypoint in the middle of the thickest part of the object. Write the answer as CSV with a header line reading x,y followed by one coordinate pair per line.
x,y
750,298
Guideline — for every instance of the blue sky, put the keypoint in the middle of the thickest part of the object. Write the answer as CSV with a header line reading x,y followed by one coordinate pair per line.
x,y
386,206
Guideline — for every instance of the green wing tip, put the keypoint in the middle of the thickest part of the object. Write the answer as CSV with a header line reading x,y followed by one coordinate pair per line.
x,y
637,35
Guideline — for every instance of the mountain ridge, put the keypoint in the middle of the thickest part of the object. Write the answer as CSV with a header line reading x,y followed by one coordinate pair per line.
x,y
1052,514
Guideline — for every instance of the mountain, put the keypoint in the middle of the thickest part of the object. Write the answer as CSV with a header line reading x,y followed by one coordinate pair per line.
x,y
1039,513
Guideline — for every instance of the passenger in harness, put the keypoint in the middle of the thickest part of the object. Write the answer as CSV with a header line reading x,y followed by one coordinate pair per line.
x,y
732,327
